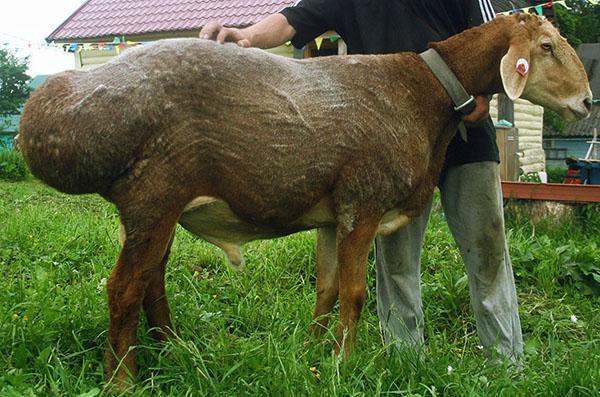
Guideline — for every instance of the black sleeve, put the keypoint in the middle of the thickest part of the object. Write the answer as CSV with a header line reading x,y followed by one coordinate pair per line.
x,y
478,12
311,18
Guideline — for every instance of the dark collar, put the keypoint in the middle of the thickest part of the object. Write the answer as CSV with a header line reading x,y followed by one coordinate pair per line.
x,y
463,102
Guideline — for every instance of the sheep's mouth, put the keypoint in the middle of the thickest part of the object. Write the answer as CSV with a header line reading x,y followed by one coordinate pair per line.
x,y
578,113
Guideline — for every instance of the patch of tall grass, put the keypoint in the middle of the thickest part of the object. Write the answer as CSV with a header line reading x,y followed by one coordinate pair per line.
x,y
12,165
246,333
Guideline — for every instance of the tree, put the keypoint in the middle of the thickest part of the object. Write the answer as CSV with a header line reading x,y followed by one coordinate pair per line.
x,y
581,24
14,88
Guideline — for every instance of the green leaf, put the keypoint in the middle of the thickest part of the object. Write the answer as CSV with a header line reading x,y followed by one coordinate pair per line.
x,y
92,393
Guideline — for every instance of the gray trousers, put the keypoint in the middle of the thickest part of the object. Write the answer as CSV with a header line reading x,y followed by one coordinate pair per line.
x,y
472,201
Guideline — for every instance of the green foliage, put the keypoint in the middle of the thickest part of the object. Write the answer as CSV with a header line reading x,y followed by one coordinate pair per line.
x,y
554,121
567,21
533,177
556,174
244,334
581,24
13,82
12,165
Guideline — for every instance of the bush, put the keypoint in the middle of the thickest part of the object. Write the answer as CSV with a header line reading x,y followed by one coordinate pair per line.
x,y
12,165
556,174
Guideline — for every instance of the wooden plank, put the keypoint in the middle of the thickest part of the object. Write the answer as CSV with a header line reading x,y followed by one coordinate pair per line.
x,y
551,192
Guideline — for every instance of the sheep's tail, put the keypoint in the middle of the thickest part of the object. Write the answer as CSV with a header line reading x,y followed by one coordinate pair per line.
x,y
76,140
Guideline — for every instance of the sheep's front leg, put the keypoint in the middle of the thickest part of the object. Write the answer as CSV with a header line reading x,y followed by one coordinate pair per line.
x,y
144,249
327,279
352,252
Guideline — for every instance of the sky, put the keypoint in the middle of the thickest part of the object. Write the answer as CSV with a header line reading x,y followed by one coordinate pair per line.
x,y
24,24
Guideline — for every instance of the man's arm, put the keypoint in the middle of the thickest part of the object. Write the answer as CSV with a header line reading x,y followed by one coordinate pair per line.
x,y
271,32
478,12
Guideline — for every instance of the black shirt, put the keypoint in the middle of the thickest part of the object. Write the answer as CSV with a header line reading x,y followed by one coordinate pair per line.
x,y
389,26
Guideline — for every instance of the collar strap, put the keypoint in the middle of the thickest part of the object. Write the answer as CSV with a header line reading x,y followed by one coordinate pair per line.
x,y
463,102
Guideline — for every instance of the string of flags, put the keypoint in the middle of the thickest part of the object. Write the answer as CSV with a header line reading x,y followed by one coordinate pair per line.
x,y
539,7
116,44
119,43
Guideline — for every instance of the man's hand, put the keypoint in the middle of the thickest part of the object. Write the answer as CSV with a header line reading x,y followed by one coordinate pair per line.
x,y
271,32
480,113
214,30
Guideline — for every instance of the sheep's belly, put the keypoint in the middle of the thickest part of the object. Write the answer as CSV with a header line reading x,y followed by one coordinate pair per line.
x,y
212,220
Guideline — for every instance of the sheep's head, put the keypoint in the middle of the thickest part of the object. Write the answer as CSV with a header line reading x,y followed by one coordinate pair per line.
x,y
542,67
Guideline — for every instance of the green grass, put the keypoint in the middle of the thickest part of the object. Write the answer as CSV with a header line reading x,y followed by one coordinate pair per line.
x,y
12,165
245,333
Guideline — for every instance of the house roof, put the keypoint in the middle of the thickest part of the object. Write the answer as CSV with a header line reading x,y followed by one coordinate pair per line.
x,y
101,18
581,128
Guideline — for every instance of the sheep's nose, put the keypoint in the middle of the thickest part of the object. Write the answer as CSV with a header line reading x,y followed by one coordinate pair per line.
x,y
587,102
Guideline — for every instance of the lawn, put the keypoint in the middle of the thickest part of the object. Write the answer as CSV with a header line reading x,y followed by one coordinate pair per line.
x,y
246,333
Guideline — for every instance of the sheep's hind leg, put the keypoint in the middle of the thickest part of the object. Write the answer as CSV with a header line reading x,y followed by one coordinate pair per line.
x,y
352,252
156,305
327,279
139,266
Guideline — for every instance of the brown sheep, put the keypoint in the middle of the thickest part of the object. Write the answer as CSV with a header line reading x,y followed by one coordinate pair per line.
x,y
281,145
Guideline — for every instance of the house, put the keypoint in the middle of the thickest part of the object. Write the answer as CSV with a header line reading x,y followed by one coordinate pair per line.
x,y
9,125
100,29
573,141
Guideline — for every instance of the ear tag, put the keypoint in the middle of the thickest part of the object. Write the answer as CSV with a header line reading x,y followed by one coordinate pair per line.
x,y
522,66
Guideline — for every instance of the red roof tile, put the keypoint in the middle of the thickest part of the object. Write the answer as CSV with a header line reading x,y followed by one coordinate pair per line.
x,y
100,18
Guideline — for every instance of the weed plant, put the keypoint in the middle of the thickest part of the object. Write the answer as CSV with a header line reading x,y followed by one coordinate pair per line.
x,y
245,334
12,165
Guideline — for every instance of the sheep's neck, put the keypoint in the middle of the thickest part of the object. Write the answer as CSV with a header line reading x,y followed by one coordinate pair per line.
x,y
475,62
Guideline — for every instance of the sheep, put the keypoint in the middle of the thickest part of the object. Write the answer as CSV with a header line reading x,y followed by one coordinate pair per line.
x,y
237,144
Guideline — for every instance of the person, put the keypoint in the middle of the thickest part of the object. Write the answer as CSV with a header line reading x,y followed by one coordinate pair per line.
x,y
469,185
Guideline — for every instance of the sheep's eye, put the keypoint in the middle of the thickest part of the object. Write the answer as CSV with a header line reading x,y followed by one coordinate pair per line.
x,y
547,46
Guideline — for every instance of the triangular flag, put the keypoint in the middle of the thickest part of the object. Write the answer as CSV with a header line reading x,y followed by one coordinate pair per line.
x,y
563,3
333,39
539,10
116,40
319,41
525,10
87,46
73,47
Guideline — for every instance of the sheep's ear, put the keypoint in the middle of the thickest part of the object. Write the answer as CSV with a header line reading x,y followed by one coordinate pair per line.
x,y
514,68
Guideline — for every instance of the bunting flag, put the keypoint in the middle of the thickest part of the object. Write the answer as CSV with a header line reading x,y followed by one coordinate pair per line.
x,y
117,44
539,8
319,41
